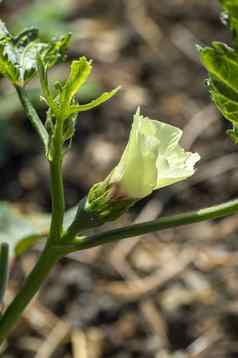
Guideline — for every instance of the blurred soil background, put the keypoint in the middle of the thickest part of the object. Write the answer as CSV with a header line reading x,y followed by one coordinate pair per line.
x,y
168,295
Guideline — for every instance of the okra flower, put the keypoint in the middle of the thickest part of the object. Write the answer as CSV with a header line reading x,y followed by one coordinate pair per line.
x,y
151,160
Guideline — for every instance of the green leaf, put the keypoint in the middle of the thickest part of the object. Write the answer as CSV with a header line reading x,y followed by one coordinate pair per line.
x,y
42,70
225,101
230,16
19,54
47,97
56,50
70,115
94,103
63,103
50,53
8,60
41,224
221,63
27,60
26,36
14,226
79,72
27,243
23,231
54,54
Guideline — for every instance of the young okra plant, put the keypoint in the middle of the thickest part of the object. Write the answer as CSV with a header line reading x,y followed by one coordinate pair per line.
x,y
152,159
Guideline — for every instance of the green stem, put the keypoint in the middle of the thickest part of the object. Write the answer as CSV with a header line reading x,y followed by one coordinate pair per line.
x,y
4,269
57,186
57,189
213,212
51,253
33,116
32,284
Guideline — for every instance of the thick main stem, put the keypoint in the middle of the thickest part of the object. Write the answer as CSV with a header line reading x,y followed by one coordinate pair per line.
x,y
57,186
31,286
51,253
